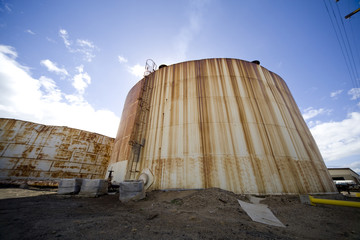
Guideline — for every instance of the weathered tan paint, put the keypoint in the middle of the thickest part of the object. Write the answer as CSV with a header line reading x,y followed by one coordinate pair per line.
x,y
223,123
30,151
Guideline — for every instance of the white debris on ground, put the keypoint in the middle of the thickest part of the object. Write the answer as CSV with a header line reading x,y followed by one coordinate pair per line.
x,y
260,212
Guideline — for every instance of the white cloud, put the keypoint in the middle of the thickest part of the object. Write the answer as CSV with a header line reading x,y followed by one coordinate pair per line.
x,y
188,32
338,140
8,51
53,68
65,36
85,47
41,100
137,70
51,92
30,32
18,89
311,112
85,43
355,93
355,166
81,80
122,59
313,123
336,93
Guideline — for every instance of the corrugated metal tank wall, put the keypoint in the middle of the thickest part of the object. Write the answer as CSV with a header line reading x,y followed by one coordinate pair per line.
x,y
122,150
223,123
30,151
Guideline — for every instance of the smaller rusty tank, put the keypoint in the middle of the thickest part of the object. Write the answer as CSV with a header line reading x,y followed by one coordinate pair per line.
x,y
37,152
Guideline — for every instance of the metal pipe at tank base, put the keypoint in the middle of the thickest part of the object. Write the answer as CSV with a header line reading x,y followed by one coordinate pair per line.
x,y
144,177
334,202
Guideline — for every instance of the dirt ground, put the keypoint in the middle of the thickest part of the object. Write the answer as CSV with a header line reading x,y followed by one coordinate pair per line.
x,y
196,214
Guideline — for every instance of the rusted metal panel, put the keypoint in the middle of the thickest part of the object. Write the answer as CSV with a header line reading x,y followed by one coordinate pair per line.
x,y
224,123
40,152
122,149
121,144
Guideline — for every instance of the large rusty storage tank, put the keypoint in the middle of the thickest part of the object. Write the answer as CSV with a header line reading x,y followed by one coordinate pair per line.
x,y
223,123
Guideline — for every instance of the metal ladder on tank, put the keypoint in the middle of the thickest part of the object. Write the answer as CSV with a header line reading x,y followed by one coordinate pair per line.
x,y
137,137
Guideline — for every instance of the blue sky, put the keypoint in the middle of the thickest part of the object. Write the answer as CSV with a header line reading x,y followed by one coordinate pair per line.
x,y
73,62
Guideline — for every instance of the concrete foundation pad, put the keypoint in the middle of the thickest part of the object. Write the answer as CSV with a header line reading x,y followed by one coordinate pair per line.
x,y
69,186
93,187
304,199
132,190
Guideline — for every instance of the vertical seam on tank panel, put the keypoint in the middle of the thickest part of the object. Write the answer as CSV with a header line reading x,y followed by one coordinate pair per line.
x,y
152,148
267,137
162,161
251,88
157,114
227,110
230,68
185,118
243,119
253,162
266,130
202,146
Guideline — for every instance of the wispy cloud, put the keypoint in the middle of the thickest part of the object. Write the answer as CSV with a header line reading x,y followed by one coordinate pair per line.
x,y
187,33
5,7
355,93
85,47
337,140
41,100
122,59
65,36
311,112
29,31
53,68
336,93
85,43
